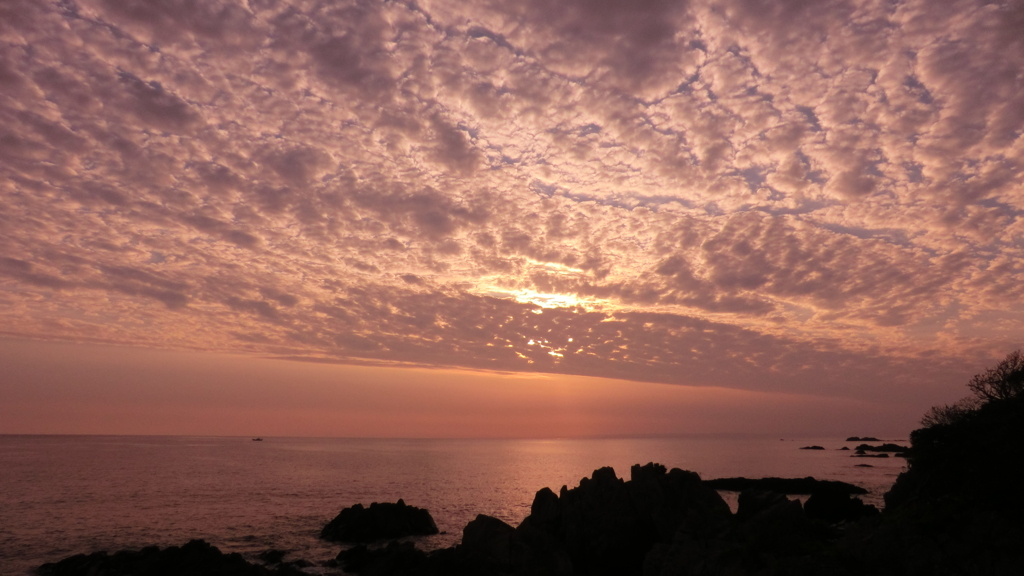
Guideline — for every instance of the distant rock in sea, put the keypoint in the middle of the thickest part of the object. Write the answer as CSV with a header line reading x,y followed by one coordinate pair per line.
x,y
812,448
882,448
381,521
862,439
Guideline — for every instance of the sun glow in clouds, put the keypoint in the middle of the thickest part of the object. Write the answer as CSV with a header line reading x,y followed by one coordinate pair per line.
x,y
525,296
491,287
549,300
441,182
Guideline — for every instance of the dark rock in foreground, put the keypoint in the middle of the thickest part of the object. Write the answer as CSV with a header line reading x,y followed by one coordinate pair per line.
x,y
806,485
381,521
658,523
604,527
397,558
833,507
197,558
607,525
272,556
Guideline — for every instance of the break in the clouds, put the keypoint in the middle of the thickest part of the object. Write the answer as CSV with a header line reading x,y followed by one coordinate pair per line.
x,y
820,197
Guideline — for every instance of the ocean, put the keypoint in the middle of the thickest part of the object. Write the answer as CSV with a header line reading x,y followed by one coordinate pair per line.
x,y
64,495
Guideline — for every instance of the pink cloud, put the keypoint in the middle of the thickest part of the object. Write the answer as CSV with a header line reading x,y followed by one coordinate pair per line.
x,y
761,195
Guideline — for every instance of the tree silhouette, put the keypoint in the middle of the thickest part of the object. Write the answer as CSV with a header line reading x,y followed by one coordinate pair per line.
x,y
950,413
1003,382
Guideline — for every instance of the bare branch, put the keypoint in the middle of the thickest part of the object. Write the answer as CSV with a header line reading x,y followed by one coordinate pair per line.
x,y
1003,382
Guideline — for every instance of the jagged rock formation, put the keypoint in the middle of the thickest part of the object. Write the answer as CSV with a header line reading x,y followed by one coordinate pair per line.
x,y
659,522
607,525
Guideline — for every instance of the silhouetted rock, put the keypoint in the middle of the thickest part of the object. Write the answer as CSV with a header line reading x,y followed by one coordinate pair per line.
x,y
538,551
753,501
812,448
861,454
604,526
395,559
845,448
380,521
863,466
196,558
488,541
777,527
607,525
882,448
298,563
832,506
545,512
272,556
600,528
862,439
769,535
806,485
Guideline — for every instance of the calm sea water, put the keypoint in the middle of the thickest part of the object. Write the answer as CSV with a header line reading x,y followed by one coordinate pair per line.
x,y
63,495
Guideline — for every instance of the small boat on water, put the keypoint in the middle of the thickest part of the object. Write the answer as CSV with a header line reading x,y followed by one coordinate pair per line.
x,y
257,439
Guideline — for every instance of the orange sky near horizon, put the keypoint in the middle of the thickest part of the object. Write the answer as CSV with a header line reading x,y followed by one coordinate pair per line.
x,y
63,388
505,218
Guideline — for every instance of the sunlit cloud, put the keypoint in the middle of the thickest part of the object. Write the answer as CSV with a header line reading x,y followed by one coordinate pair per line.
x,y
749,194
541,299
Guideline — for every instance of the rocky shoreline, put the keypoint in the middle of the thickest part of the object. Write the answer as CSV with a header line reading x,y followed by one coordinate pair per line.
x,y
658,522
955,510
604,526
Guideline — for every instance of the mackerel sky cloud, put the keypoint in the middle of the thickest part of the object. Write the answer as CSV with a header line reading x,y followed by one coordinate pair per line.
x,y
786,196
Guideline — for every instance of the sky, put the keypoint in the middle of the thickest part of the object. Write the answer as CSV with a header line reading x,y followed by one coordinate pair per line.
x,y
445,218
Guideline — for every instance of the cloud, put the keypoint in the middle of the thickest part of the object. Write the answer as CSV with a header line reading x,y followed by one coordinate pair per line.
x,y
697,192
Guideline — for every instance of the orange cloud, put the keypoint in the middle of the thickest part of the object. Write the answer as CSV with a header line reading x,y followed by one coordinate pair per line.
x,y
774,197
